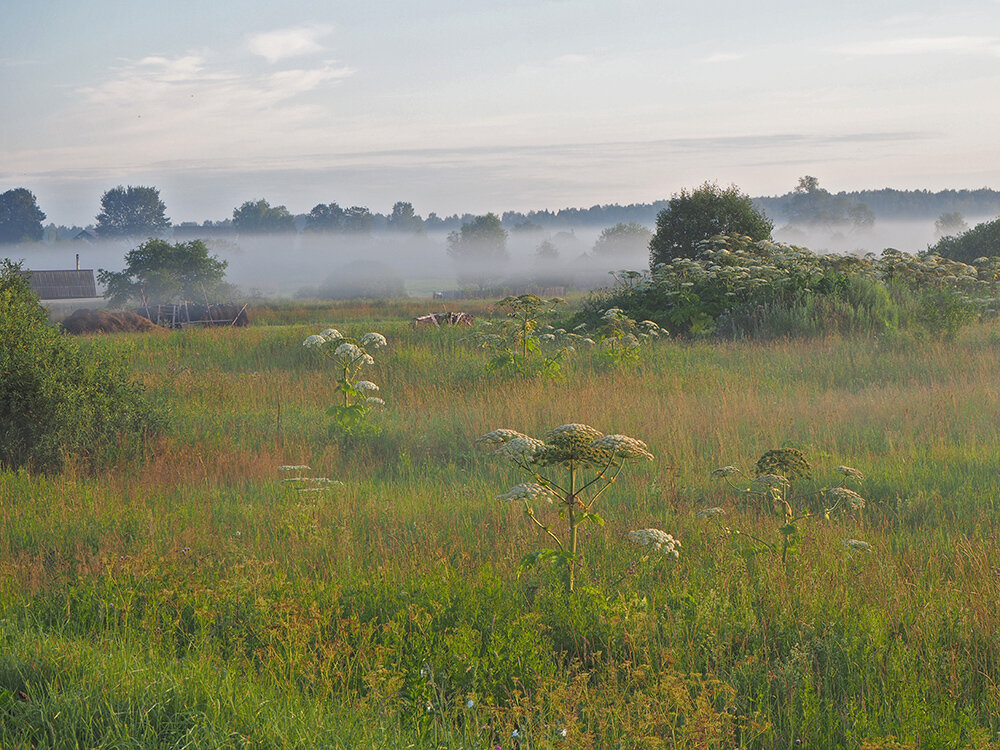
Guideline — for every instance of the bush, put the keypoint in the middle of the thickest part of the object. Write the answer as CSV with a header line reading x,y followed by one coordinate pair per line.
x,y
983,240
56,401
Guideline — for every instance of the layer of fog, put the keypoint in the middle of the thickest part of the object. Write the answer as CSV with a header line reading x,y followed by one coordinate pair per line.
x,y
308,265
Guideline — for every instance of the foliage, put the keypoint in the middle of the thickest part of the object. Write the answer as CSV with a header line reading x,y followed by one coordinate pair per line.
x,y
20,218
623,239
810,205
770,491
735,286
520,343
159,272
479,248
404,219
325,217
56,401
349,356
132,211
949,224
259,217
590,463
620,338
693,217
983,240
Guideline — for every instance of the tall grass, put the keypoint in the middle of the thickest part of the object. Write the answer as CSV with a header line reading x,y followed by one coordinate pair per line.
x,y
195,600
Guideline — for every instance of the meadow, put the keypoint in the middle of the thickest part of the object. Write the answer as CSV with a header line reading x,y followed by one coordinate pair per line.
x,y
195,599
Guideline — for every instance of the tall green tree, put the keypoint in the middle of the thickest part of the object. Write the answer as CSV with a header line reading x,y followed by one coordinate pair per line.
x,y
623,239
691,217
404,219
133,211
325,217
359,220
259,217
811,205
158,272
983,240
20,218
479,248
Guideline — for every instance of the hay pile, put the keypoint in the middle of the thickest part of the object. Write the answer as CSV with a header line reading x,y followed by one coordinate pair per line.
x,y
107,321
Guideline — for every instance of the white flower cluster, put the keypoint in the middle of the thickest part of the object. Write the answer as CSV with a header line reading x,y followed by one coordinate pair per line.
x,y
850,498
528,492
498,437
366,386
352,354
850,473
624,446
768,482
724,471
659,540
857,545
520,449
373,341
710,512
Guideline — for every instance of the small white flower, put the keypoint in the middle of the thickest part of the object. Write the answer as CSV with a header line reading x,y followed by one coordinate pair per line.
x,y
710,512
366,386
527,492
623,446
521,448
515,734
857,544
331,334
470,703
374,401
562,732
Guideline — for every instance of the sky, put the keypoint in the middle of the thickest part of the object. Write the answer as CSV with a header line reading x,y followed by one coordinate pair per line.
x,y
465,106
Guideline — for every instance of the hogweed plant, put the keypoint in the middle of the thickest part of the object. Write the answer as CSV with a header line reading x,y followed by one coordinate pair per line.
x,y
571,467
350,356
770,490
520,344
621,337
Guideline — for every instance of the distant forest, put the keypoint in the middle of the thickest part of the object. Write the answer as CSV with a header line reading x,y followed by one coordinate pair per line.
x,y
884,204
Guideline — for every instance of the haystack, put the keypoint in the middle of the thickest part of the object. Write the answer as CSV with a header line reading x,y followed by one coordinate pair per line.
x,y
107,321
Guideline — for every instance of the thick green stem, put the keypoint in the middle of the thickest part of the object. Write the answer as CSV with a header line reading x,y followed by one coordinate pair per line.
x,y
571,501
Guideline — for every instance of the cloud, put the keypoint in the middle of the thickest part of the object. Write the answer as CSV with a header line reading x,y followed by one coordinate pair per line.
x,y
291,42
968,45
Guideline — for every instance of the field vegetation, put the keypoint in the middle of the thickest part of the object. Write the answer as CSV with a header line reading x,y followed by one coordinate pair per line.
x,y
204,597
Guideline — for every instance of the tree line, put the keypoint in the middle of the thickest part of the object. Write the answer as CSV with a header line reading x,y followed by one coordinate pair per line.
x,y
138,211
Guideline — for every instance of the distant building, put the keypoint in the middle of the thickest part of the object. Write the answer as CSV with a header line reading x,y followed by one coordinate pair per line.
x,y
75,284
86,235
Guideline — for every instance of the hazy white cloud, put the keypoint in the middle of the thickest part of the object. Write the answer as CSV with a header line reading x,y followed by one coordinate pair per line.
x,y
969,45
292,42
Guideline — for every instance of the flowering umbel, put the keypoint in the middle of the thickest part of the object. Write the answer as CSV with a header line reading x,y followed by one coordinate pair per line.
x,y
571,467
349,356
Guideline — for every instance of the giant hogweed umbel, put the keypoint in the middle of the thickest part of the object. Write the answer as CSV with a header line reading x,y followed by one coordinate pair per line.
x,y
572,467
349,357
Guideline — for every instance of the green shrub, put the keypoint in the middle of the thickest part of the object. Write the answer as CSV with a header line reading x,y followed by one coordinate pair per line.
x,y
56,401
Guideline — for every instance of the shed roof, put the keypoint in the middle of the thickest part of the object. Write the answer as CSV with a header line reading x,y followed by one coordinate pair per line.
x,y
72,284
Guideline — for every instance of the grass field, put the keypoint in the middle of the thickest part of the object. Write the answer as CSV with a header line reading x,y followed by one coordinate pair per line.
x,y
196,600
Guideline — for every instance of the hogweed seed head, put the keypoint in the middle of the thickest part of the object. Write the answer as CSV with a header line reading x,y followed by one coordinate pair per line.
x,y
710,512
724,471
769,482
373,341
522,448
498,437
366,386
850,473
313,342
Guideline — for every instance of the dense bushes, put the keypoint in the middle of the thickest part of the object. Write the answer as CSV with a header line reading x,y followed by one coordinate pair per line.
x,y
738,287
57,402
982,240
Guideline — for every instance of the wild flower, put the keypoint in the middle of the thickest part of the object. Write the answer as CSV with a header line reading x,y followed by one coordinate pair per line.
x,y
373,341
768,482
657,539
527,492
521,449
374,401
591,461
470,703
331,334
850,498
857,545
724,471
297,467
313,341
366,386
710,512
624,446
850,473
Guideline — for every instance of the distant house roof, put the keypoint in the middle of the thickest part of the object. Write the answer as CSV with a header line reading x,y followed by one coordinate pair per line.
x,y
62,284
86,235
